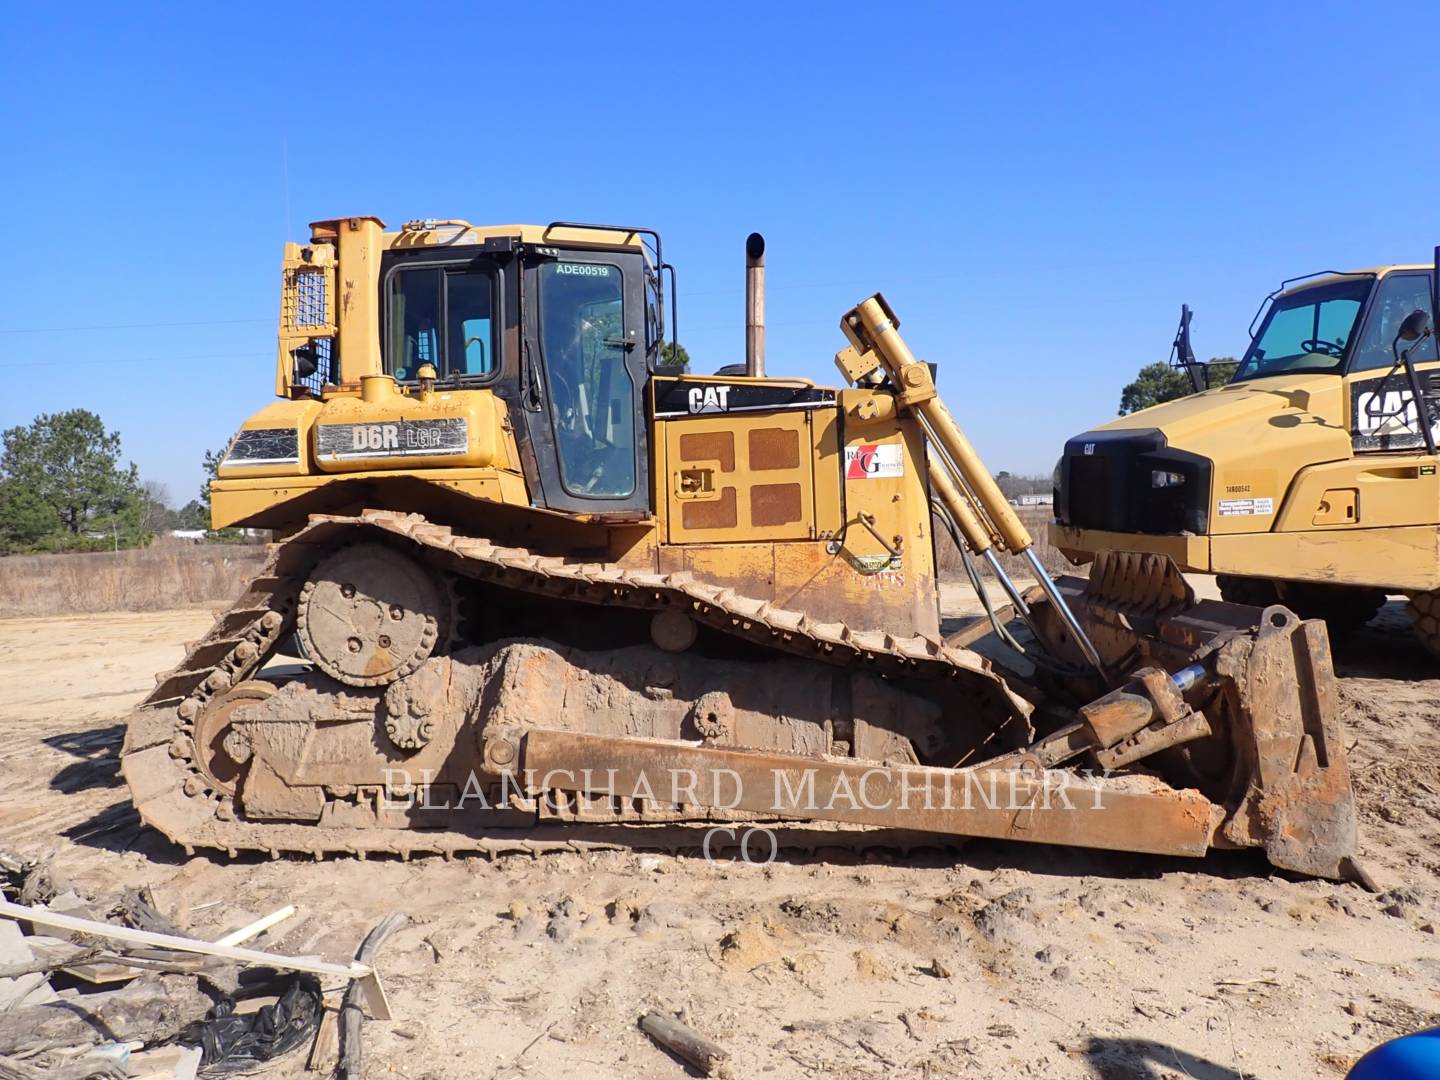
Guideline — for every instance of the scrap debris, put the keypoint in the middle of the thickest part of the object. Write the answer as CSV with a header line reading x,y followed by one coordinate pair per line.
x,y
351,1015
236,1042
162,1004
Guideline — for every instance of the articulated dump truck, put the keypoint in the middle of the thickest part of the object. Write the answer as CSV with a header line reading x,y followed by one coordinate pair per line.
x,y
533,588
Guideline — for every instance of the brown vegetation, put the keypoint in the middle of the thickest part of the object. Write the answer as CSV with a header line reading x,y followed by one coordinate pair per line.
x,y
173,574
1037,520
164,575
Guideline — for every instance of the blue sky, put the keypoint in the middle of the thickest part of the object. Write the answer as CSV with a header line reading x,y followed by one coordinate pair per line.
x,y
1036,188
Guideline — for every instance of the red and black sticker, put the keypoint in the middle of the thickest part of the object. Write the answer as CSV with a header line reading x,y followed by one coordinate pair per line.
x,y
874,461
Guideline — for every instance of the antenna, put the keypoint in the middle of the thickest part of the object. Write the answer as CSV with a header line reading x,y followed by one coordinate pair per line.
x,y
285,174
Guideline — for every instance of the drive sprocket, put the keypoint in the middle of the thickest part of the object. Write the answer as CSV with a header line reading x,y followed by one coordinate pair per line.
x,y
370,614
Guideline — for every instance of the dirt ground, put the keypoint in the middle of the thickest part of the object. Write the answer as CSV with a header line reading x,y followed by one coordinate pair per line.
x,y
983,960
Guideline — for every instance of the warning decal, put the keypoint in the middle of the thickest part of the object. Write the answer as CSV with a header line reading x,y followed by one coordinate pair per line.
x,y
874,461
1246,507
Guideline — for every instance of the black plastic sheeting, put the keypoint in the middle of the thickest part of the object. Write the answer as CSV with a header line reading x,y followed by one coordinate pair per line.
x,y
231,1043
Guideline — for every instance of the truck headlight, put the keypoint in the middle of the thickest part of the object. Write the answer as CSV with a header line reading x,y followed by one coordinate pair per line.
x,y
1161,478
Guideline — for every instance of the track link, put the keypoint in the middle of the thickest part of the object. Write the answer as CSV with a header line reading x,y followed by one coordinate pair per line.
x,y
171,794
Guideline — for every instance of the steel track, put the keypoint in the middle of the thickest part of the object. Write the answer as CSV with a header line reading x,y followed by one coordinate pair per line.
x,y
171,794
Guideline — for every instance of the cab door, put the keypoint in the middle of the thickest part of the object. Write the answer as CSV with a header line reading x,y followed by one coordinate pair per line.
x,y
1382,407
583,373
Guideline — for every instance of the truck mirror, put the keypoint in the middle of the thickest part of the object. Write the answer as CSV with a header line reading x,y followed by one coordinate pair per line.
x,y
1416,324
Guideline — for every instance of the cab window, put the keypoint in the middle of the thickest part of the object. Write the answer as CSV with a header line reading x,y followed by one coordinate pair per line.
x,y
1308,330
444,317
592,398
1396,297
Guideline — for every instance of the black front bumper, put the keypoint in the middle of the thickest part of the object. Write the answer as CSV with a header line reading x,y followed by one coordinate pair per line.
x,y
1105,483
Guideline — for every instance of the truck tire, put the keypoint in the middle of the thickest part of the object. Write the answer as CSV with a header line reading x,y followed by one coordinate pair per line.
x,y
1344,608
1257,592
1425,618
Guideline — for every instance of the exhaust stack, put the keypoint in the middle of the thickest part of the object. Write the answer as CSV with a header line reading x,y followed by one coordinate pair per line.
x,y
755,305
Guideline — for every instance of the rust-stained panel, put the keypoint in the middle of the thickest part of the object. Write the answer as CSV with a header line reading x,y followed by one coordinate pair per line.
x,y
775,504
710,446
775,448
715,514
766,460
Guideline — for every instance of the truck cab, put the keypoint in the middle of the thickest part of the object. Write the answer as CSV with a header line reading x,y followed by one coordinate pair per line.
x,y
1310,477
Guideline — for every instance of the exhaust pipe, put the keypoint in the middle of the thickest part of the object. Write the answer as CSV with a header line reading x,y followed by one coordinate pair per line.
x,y
755,305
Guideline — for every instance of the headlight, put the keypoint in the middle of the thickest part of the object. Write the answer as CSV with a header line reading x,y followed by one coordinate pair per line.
x,y
1160,478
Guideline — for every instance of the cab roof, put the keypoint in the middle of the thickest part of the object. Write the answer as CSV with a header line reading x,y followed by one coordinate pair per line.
x,y
1331,277
443,233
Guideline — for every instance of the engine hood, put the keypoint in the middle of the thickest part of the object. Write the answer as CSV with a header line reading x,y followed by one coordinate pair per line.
x,y
1299,413
1227,456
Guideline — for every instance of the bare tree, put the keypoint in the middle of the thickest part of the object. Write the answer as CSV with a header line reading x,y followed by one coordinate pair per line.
x,y
158,517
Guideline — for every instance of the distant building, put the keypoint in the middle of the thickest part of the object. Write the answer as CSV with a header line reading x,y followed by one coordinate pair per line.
x,y
188,534
1034,500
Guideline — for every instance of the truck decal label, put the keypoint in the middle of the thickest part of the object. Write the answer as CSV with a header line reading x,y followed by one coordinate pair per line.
x,y
874,461
445,437
1384,417
1246,507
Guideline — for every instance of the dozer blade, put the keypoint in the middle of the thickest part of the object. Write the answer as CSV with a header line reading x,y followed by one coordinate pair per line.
x,y
1274,761
1051,807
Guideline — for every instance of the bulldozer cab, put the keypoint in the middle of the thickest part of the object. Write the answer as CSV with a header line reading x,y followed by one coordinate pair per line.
x,y
561,335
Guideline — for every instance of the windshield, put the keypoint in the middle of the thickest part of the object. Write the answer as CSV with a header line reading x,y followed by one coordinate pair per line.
x,y
1306,331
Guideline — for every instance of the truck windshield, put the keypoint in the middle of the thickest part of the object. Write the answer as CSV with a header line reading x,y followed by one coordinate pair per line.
x,y
1308,330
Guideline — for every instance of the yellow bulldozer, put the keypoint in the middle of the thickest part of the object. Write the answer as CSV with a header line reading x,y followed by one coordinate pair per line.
x,y
532,587
1309,479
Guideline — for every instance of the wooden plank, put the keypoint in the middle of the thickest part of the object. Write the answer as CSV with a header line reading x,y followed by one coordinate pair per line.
x,y
108,971
978,627
258,927
362,974
325,1050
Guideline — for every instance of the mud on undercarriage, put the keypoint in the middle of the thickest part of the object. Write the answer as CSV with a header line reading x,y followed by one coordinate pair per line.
x,y
1224,735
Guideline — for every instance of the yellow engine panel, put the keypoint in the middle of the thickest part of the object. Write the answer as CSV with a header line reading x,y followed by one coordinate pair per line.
x,y
392,431
750,477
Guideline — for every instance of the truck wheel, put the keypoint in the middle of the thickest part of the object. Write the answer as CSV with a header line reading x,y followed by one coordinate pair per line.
x,y
1344,608
1425,618
1257,592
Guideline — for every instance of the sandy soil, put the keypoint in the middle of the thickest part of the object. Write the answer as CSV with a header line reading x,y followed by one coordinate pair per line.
x,y
985,960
